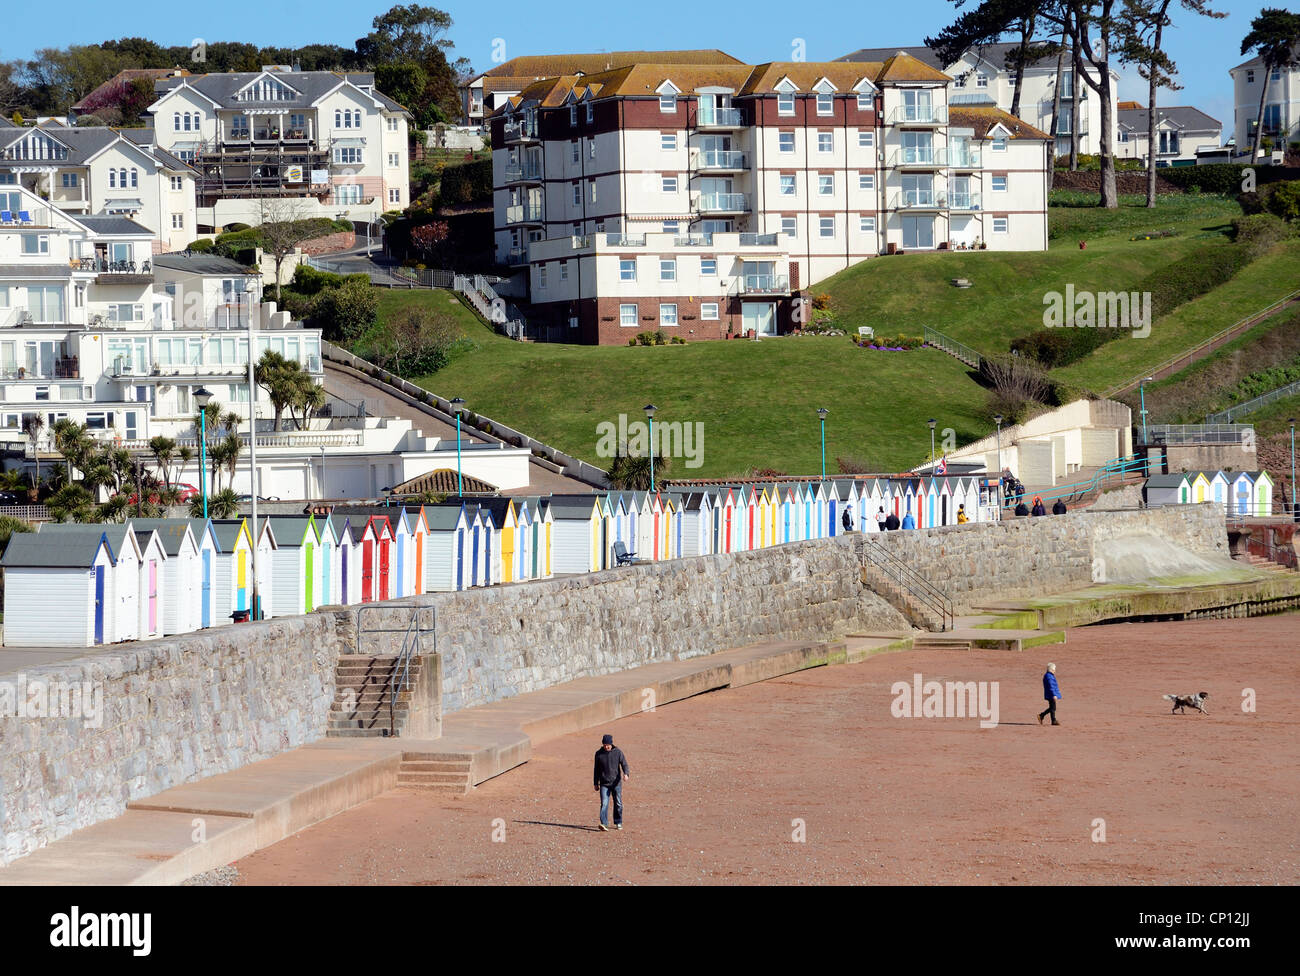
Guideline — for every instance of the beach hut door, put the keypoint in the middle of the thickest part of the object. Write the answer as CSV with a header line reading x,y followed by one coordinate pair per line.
x,y
206,609
367,571
99,604
309,575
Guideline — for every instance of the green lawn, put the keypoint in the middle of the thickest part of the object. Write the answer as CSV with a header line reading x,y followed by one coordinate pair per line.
x,y
1274,418
441,303
757,401
1006,297
1070,222
1259,284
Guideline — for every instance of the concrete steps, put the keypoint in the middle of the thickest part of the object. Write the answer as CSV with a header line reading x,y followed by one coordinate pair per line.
x,y
449,776
1264,563
902,600
932,642
362,697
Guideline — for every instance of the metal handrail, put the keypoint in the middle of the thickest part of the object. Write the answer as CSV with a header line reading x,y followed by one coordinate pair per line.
x,y
399,676
958,350
1253,404
929,594
1116,467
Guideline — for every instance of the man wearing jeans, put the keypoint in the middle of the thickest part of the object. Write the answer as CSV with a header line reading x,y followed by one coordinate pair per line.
x,y
610,769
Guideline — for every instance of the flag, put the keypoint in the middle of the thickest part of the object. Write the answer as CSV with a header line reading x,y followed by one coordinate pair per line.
x,y
942,466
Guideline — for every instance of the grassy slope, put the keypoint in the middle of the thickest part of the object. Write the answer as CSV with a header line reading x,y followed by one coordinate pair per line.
x,y
1006,300
756,400
1259,284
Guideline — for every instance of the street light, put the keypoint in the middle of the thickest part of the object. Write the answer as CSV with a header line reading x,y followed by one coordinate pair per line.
x,y
1142,392
650,409
998,420
822,412
1294,510
931,423
203,396
457,405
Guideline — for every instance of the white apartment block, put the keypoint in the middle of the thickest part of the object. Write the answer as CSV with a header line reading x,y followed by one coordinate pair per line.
x,y
703,200
1281,104
981,78
99,170
92,329
328,140
1181,133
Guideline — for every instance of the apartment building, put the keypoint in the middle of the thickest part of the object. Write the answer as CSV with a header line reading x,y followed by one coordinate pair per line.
x,y
330,141
703,199
981,78
100,170
1281,103
1181,133
484,93
95,328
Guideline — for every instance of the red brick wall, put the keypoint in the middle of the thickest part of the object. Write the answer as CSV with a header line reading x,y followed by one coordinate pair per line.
x,y
598,319
342,241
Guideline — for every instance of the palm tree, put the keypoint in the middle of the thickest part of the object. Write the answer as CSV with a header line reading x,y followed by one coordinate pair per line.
x,y
116,509
632,473
308,398
184,455
69,440
71,503
164,452
32,426
278,376
222,504
233,445
1274,36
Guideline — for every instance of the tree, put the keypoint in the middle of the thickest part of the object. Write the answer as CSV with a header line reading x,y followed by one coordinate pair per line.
x,y
279,378
1103,14
309,398
632,472
284,225
33,424
416,35
348,311
164,452
430,240
1274,36
71,503
1142,25
222,504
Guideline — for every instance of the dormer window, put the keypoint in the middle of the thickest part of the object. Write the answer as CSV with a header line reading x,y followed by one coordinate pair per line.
x,y
785,103
668,103
825,103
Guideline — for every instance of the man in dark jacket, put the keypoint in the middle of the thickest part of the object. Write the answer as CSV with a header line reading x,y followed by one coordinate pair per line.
x,y
1058,508
1022,509
1051,693
610,769
891,522
847,521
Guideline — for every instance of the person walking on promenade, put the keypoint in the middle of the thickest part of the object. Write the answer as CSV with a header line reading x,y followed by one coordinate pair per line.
x,y
961,515
1059,508
891,522
610,771
1051,693
881,520
1022,509
847,521
1039,508
908,521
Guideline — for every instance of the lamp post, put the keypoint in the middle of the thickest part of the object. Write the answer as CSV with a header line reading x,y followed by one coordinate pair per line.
x,y
998,420
203,396
1142,393
457,405
931,424
650,409
1294,509
822,412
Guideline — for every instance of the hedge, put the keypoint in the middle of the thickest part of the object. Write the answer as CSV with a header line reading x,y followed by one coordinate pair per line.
x,y
1223,177
467,183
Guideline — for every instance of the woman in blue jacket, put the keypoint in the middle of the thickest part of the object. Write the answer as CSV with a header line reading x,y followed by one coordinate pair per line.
x,y
1051,692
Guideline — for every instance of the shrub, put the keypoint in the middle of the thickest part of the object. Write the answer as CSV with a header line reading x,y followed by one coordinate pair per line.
x,y
822,301
1215,178
310,281
467,183
1284,200
236,226
1261,231
203,245
346,312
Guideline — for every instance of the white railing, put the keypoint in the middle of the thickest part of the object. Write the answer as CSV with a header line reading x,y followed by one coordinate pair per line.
x,y
919,115
920,156
721,202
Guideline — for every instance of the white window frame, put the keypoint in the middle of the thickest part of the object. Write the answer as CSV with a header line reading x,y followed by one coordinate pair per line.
x,y
394,160
573,115
1006,225
668,141
781,143
178,221
627,269
825,104
866,139
577,194
981,79
866,101
708,267
826,142
821,227
395,195
564,270
866,181
624,311
668,314
790,226
710,311
785,103
787,185
866,224
667,269
826,184
668,184
668,103
993,184
999,144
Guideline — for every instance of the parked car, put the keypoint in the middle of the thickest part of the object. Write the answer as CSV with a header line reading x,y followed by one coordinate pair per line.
x,y
260,498
13,498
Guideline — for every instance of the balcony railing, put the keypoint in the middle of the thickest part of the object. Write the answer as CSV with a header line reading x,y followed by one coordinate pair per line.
x,y
693,240
519,132
918,200
764,284
965,201
624,240
524,213
719,159
964,159
67,368
721,203
719,118
523,173
919,157
919,115
517,255
758,240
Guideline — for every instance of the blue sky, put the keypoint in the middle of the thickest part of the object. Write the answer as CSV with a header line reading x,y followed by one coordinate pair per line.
x,y
759,30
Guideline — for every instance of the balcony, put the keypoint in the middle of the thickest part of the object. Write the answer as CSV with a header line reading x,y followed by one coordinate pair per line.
x,y
965,201
964,159
758,240
624,240
763,284
719,161
919,116
517,255
64,368
523,173
719,118
918,200
919,157
693,240
115,272
721,203
525,213
521,131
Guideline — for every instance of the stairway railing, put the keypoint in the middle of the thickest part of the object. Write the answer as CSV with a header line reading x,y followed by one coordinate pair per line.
x,y
399,675
921,589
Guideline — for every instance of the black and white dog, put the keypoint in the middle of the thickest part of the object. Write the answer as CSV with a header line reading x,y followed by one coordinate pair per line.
x,y
1183,702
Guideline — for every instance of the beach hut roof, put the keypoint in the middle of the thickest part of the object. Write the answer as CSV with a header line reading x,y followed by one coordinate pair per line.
x,y
227,532
442,518
73,549
171,532
1166,480
291,530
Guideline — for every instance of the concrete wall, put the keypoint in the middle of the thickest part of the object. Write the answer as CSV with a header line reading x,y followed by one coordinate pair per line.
x,y
182,708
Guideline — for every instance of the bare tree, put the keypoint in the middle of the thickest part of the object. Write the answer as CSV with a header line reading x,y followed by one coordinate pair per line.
x,y
284,225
